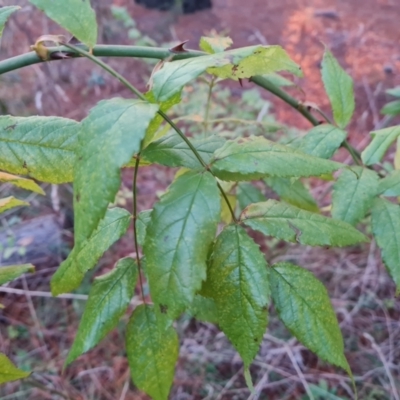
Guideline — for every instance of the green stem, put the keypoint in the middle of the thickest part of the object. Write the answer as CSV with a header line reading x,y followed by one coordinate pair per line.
x,y
297,105
31,58
208,105
134,212
163,115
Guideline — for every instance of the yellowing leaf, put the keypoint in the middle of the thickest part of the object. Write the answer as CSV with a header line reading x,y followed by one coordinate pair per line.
x,y
23,183
215,44
8,372
10,202
11,272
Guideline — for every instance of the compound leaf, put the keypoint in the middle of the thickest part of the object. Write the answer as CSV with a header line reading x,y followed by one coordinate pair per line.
x,y
247,194
381,140
41,147
385,227
234,64
256,157
182,227
214,45
238,282
23,183
293,192
112,134
76,16
71,272
172,151
353,193
390,185
292,224
9,372
303,305
5,12
11,202
11,272
321,141
152,352
108,299
339,88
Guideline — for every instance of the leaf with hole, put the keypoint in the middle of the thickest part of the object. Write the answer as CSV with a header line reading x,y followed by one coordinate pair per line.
x,y
76,16
255,157
108,300
5,12
40,147
172,151
321,141
293,191
385,228
238,282
71,272
390,185
11,272
233,64
182,228
9,372
353,193
152,352
381,141
112,134
339,88
11,202
292,224
303,305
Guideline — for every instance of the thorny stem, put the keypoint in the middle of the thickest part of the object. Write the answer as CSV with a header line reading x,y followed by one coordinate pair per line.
x,y
134,212
163,115
160,53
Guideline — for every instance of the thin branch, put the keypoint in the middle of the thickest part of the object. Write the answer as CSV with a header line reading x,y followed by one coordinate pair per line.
x,y
135,238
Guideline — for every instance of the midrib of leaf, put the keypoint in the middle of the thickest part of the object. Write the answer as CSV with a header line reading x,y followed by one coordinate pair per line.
x,y
189,212
321,326
342,98
154,358
352,196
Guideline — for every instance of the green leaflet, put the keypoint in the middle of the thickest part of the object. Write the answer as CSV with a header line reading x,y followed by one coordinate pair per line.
x,y
390,185
41,147
182,227
391,108
215,44
353,193
11,202
8,372
238,282
339,88
108,300
172,151
292,224
5,12
23,183
321,141
381,140
204,309
71,272
293,192
385,227
234,64
11,272
152,353
256,157
142,221
76,16
303,305
111,135
247,194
